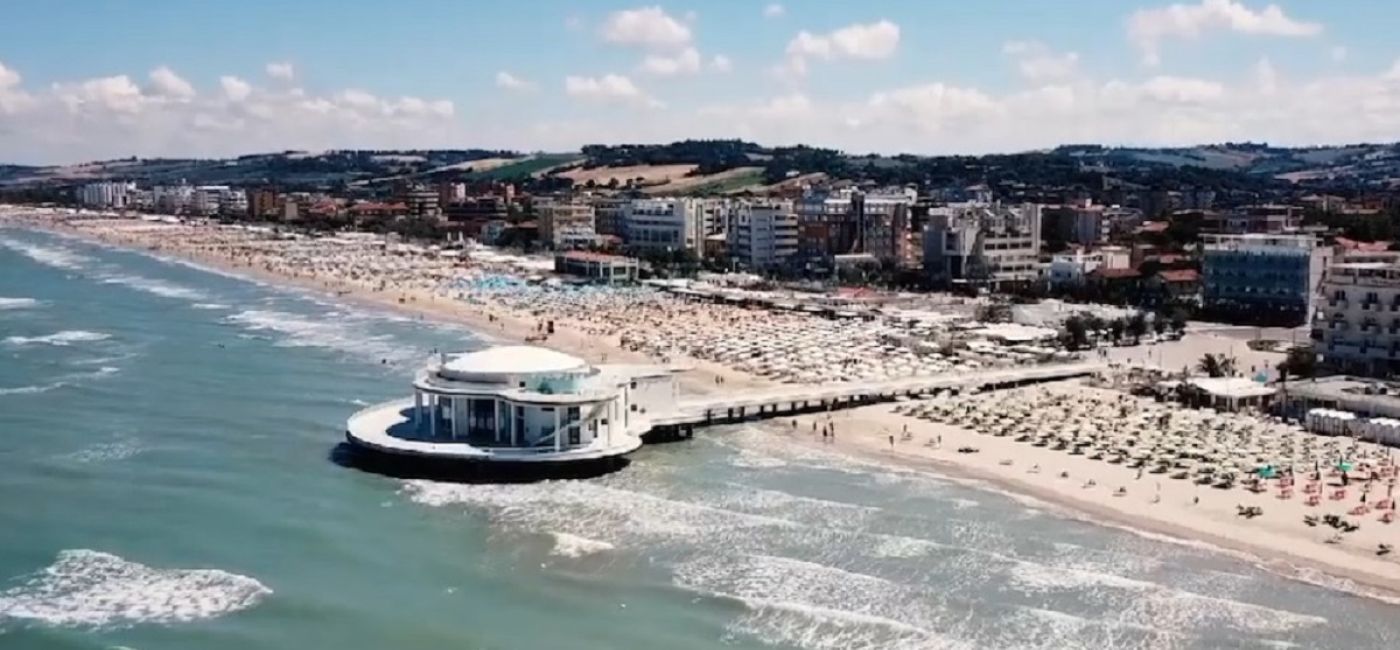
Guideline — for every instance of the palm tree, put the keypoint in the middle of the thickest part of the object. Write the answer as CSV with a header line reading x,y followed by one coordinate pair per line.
x,y
1216,365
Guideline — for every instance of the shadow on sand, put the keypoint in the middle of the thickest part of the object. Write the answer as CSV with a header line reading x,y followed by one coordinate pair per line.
x,y
471,472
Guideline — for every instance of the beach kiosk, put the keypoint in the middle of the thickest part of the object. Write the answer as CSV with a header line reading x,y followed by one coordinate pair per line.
x,y
518,404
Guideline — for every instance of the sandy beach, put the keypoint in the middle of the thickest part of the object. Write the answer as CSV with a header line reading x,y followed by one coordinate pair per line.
x,y
1079,486
1278,537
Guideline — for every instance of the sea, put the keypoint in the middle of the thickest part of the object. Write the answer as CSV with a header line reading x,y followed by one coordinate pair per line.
x,y
169,479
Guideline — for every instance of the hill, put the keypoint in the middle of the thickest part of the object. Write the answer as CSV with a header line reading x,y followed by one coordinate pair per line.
x,y
733,166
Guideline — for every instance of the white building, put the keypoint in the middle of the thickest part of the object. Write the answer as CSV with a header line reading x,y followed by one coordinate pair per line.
x,y
173,198
518,404
108,195
1068,269
983,244
1357,327
664,225
764,235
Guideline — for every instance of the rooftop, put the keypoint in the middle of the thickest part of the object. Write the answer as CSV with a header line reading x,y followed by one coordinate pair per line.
x,y
1232,387
484,365
588,256
1183,275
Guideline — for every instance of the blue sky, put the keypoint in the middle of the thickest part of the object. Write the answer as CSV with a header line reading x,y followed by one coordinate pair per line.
x,y
158,77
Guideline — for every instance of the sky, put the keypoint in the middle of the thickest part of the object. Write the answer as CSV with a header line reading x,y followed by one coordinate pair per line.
x,y
101,79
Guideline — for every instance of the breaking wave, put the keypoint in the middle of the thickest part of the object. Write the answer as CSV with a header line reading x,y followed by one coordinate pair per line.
x,y
91,589
309,332
59,258
7,304
59,339
575,546
66,380
155,287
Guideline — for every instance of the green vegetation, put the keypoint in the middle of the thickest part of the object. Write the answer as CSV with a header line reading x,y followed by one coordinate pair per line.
x,y
712,156
525,168
1216,365
730,184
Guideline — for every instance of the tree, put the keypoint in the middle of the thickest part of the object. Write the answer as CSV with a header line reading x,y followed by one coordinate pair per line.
x,y
1076,334
1159,324
1300,362
1179,321
1115,329
1136,326
1216,365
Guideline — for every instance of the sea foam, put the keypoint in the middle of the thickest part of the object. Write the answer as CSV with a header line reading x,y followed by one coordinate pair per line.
x,y
91,589
304,331
59,339
574,546
17,303
59,258
154,287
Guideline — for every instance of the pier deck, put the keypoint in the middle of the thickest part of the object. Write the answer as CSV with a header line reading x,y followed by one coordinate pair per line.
x,y
790,400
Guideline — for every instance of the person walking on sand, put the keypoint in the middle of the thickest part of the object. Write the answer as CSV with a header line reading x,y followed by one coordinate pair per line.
x,y
891,441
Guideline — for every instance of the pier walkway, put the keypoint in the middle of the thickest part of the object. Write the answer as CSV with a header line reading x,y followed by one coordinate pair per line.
x,y
793,400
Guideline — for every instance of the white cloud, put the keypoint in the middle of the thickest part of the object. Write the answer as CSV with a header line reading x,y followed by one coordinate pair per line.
x,y
931,107
511,82
281,70
646,27
1037,62
12,97
721,63
116,94
165,83
1149,28
773,10
8,78
685,62
1338,53
114,116
609,88
1182,90
1266,77
866,42
235,89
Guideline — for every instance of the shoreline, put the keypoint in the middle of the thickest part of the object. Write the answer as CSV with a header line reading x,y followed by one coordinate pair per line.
x,y
1270,550
1273,551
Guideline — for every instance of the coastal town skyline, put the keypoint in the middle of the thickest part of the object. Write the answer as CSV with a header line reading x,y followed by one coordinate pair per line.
x,y
941,78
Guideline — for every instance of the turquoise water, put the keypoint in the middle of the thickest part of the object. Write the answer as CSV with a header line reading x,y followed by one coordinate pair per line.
x,y
166,483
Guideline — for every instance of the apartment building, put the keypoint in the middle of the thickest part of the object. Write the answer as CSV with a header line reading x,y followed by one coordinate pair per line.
x,y
108,194
1357,328
564,221
609,214
851,222
1254,219
983,244
763,236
